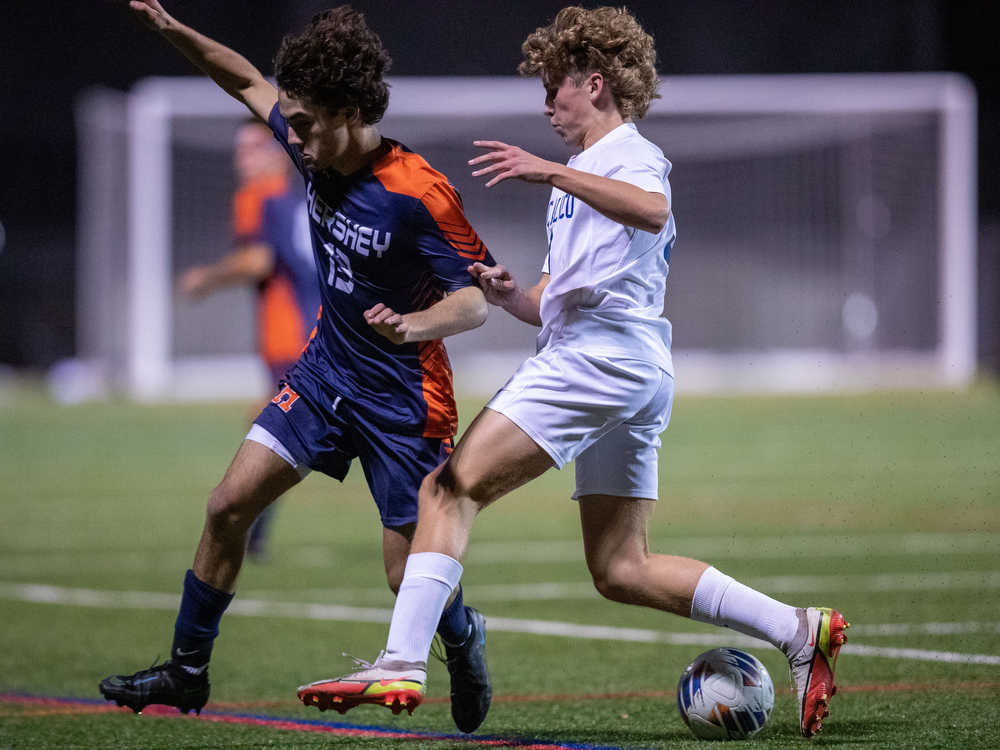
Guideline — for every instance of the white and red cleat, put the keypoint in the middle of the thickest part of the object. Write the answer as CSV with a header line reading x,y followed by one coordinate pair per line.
x,y
394,684
812,658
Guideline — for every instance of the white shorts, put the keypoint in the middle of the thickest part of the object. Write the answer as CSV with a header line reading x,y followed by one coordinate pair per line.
x,y
605,412
259,435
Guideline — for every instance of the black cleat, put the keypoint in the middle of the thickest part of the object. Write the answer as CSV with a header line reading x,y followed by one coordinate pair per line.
x,y
471,690
166,684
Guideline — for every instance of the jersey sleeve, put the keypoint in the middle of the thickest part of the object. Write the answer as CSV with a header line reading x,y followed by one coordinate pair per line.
x,y
446,238
646,169
279,126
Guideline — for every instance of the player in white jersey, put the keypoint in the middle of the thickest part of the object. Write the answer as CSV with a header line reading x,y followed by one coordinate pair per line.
x,y
600,388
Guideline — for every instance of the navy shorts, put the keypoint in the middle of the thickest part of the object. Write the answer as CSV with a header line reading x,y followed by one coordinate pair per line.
x,y
322,432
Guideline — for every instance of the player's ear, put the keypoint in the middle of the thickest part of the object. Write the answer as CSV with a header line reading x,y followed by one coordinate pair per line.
x,y
353,114
595,83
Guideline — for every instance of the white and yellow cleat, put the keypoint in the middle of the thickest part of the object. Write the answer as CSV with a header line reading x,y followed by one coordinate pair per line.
x,y
397,685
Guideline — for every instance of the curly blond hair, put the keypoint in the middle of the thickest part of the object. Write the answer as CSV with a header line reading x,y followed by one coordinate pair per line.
x,y
605,40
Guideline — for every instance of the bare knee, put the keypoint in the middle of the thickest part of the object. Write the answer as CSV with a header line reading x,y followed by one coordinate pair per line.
x,y
446,515
228,513
437,487
620,580
439,493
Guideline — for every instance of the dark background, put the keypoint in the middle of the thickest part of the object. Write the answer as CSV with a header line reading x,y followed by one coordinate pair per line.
x,y
50,51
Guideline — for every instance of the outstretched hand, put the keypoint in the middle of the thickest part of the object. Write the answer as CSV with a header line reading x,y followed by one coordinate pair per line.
x,y
150,12
508,162
388,323
497,283
194,283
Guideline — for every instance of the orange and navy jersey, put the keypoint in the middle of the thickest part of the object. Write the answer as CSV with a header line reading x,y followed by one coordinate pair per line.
x,y
288,300
248,207
393,232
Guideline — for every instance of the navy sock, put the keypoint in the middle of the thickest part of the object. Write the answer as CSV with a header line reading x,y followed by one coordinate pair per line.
x,y
197,623
454,625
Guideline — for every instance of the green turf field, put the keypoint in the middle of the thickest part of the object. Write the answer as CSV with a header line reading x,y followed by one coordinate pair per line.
x,y
886,507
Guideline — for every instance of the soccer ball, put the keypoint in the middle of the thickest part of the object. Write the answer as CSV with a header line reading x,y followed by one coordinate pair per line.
x,y
726,694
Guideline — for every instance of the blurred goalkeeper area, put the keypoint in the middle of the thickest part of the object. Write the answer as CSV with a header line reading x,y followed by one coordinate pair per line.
x,y
834,181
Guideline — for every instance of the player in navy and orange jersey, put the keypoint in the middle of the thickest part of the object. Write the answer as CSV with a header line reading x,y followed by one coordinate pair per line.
x,y
273,251
393,250
393,233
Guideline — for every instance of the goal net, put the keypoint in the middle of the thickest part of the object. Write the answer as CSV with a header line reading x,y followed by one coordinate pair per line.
x,y
826,229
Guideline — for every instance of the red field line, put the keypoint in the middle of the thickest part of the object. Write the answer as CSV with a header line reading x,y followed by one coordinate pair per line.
x,y
79,705
669,694
918,687
43,706
341,731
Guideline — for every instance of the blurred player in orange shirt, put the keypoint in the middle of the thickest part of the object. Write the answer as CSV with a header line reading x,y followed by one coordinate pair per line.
x,y
273,251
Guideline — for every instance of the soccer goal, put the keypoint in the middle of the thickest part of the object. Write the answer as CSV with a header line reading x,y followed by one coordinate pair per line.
x,y
826,228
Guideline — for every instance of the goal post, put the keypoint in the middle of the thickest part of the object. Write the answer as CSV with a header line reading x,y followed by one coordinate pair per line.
x,y
826,228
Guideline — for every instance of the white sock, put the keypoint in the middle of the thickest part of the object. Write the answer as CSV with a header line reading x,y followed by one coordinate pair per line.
x,y
428,581
721,600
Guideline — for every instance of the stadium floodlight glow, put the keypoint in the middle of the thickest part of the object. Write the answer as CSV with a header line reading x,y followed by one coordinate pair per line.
x,y
826,228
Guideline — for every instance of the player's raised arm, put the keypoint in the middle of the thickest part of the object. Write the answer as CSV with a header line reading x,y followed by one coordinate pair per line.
x,y
233,72
248,264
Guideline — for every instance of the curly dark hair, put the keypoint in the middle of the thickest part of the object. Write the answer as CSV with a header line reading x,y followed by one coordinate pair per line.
x,y
337,62
605,40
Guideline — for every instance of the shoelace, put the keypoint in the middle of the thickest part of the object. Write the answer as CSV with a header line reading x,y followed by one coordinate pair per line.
x,y
152,667
437,649
361,664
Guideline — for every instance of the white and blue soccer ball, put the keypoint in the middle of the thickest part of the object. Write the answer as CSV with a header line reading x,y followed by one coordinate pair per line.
x,y
726,694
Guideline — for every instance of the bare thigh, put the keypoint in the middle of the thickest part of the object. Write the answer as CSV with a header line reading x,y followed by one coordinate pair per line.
x,y
257,477
493,457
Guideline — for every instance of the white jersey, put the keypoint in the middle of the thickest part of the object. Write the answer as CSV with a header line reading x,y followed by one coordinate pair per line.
x,y
607,281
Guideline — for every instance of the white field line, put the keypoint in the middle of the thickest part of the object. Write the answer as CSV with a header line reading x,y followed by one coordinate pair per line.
x,y
257,608
882,583
552,591
927,628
